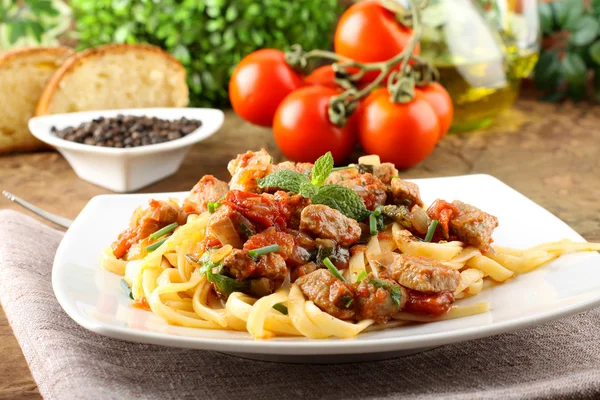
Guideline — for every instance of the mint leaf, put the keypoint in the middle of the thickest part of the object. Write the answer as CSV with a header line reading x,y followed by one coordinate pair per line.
x,y
322,169
308,190
284,179
342,199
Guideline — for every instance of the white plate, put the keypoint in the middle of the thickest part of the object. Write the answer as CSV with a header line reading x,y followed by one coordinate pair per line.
x,y
126,169
568,285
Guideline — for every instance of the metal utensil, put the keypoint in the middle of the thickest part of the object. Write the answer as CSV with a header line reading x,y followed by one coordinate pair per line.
x,y
64,222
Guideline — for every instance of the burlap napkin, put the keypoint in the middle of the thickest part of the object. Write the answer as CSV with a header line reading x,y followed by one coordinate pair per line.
x,y
555,360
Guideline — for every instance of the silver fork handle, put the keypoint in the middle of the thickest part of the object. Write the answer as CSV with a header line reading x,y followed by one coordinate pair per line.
x,y
64,222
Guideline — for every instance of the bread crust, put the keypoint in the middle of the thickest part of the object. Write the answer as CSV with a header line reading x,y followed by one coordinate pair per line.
x,y
27,51
78,59
6,58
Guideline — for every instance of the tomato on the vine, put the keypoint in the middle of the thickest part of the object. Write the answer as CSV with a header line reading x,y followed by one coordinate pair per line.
x,y
400,133
325,76
259,83
368,32
302,128
440,100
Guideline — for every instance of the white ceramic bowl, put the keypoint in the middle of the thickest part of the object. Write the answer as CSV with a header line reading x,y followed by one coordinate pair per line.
x,y
126,169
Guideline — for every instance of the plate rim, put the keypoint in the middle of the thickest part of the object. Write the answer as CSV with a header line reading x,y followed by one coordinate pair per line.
x,y
317,346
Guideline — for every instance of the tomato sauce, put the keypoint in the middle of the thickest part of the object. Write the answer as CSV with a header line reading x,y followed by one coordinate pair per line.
x,y
442,211
261,209
141,304
428,303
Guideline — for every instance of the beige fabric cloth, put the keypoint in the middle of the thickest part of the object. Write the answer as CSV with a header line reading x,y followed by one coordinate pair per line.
x,y
555,360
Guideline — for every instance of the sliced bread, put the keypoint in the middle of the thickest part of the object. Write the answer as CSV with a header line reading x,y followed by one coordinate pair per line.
x,y
23,76
115,76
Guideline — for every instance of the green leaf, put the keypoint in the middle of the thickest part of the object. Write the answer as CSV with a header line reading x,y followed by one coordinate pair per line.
x,y
585,31
120,35
546,17
322,169
342,199
547,71
573,68
308,190
37,30
284,179
567,12
594,52
16,30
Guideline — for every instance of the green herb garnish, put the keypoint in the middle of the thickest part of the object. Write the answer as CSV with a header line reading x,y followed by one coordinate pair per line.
x,y
361,276
373,224
263,250
395,291
155,245
212,206
343,199
338,197
126,288
322,169
284,179
347,301
223,284
246,230
281,308
431,230
377,211
334,271
164,231
344,167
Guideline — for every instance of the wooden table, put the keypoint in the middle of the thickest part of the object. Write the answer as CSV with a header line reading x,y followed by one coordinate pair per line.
x,y
550,153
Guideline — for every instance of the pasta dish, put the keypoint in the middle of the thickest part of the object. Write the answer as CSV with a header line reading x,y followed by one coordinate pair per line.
x,y
313,250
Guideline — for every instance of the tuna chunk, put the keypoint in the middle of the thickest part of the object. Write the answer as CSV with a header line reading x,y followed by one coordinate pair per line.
x,y
208,189
342,175
379,299
326,223
424,274
145,222
230,226
370,189
303,270
269,266
406,193
246,168
385,172
271,236
328,292
472,226
249,158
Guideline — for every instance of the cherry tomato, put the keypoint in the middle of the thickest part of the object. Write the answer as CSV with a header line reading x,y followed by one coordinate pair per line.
x,y
440,100
325,76
259,83
368,32
400,133
303,131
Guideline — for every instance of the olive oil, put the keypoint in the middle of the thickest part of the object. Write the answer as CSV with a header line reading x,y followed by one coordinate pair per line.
x,y
481,90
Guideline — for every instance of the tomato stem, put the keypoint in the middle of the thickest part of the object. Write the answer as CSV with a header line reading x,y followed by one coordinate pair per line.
x,y
400,83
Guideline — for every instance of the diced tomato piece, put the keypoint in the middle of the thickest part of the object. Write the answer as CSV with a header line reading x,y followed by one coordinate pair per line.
x,y
428,303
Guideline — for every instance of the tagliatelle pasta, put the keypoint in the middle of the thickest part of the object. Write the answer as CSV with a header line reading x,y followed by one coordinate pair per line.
x,y
248,257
